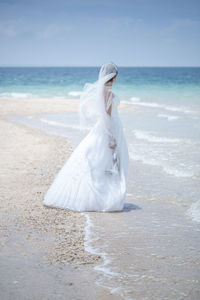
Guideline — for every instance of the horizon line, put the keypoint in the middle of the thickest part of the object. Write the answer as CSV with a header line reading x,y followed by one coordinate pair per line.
x,y
95,66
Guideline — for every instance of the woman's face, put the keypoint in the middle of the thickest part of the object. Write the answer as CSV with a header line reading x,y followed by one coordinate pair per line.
x,y
111,82
114,79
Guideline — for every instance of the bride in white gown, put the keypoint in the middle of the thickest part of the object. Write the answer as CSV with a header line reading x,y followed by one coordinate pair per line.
x,y
94,176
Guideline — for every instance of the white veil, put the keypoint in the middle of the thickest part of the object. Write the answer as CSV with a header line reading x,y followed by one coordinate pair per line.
x,y
108,166
92,105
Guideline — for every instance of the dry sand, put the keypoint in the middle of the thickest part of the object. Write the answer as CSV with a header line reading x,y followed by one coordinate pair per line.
x,y
41,105
31,233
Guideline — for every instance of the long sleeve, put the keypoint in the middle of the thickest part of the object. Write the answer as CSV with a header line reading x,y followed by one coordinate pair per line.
x,y
108,107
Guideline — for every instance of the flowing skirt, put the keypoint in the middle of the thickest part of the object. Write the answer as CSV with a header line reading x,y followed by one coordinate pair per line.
x,y
88,181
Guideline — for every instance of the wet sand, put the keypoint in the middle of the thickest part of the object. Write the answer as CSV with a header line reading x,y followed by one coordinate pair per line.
x,y
40,105
148,251
42,249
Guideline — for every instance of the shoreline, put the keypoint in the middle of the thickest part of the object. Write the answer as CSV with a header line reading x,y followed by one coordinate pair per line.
x,y
36,239
41,160
10,106
128,238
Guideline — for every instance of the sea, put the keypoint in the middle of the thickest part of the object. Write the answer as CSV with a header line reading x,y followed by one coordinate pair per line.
x,y
162,127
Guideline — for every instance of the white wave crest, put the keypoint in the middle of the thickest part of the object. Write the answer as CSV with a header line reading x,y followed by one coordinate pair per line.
x,y
59,124
162,164
194,211
168,117
135,99
148,136
157,105
178,173
16,95
75,93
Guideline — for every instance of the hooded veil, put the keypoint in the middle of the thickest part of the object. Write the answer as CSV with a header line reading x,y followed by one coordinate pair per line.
x,y
92,105
108,167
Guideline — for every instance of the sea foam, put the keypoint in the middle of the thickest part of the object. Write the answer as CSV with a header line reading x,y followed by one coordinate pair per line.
x,y
148,136
16,95
168,117
136,101
88,245
75,93
162,163
194,211
60,124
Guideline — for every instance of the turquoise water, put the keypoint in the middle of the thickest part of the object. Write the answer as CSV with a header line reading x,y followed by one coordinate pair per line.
x,y
162,126
166,85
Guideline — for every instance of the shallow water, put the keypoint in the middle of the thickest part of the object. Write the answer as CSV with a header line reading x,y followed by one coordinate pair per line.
x,y
151,249
165,151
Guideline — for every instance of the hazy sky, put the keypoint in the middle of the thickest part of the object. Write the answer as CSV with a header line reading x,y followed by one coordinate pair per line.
x,y
91,32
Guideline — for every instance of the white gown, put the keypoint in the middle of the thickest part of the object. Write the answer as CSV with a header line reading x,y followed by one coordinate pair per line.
x,y
94,176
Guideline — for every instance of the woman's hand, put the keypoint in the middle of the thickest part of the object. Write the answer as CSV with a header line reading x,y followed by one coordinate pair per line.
x,y
112,144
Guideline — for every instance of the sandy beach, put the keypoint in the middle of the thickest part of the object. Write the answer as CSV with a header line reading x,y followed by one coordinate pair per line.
x,y
39,245
99,111
149,251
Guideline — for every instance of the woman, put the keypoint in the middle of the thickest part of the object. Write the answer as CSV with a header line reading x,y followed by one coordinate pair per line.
x,y
94,177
